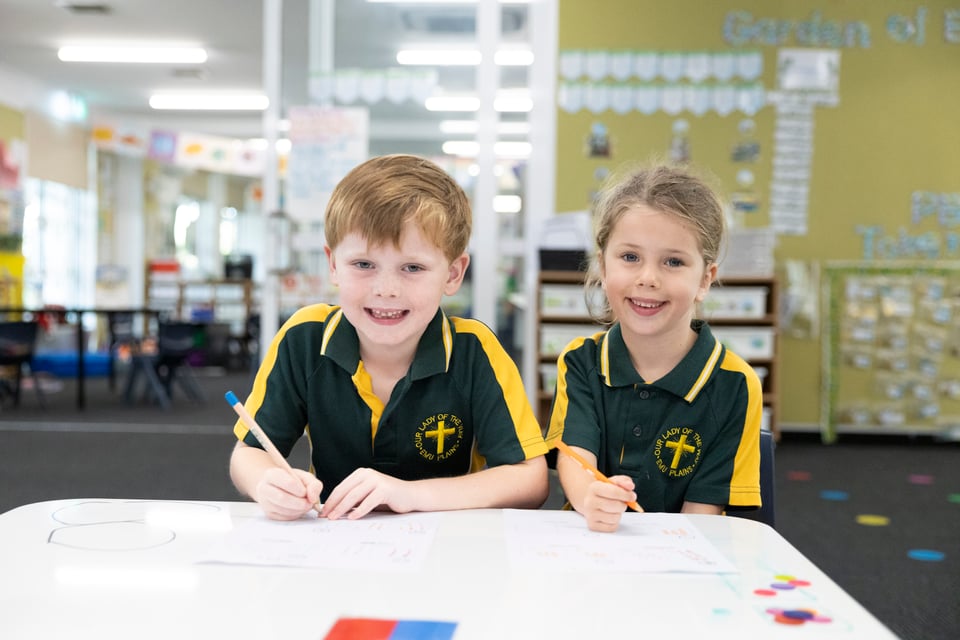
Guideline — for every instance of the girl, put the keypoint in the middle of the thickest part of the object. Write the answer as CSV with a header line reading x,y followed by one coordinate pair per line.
x,y
656,403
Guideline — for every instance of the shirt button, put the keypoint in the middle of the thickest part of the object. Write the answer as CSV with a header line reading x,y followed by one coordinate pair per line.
x,y
638,431
644,394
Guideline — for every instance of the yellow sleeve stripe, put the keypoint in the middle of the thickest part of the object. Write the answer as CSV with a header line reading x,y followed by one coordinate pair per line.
x,y
313,313
558,416
521,413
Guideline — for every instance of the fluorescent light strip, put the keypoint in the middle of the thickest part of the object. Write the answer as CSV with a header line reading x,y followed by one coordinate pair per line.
x,y
470,149
209,102
440,57
443,1
137,55
463,57
508,100
471,127
452,103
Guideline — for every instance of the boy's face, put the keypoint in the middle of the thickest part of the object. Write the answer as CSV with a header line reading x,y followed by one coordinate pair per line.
x,y
390,294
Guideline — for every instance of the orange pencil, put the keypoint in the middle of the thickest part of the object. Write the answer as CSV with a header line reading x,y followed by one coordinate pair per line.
x,y
567,451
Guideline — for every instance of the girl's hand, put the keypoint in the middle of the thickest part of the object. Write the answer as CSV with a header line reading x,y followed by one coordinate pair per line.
x,y
605,502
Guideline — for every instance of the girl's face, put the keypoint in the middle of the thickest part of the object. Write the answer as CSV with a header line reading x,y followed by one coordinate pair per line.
x,y
654,273
390,294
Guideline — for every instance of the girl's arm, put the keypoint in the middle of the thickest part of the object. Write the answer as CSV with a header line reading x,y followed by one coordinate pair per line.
x,y
601,503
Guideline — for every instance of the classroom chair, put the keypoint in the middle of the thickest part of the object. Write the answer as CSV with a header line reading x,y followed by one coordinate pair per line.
x,y
18,341
122,340
169,363
766,513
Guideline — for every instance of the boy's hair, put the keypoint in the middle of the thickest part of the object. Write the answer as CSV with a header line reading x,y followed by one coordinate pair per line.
x,y
378,197
674,190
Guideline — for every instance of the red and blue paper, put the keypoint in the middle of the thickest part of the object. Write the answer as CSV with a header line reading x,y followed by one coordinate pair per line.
x,y
377,629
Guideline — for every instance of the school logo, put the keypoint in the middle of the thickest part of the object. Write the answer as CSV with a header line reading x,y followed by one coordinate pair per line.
x,y
439,436
678,451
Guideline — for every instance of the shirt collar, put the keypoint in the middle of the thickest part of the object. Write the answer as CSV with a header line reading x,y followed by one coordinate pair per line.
x,y
686,380
342,345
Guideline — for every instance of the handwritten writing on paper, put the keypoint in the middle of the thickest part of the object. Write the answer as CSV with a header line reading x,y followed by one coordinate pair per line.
x,y
381,542
644,543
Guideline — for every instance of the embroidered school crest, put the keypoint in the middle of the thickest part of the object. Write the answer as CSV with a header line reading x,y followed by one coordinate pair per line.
x,y
678,451
439,436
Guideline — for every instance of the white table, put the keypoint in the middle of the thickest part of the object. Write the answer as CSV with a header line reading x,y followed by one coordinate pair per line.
x,y
111,570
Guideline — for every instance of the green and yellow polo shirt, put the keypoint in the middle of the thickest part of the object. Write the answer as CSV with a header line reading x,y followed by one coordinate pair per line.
x,y
461,406
692,435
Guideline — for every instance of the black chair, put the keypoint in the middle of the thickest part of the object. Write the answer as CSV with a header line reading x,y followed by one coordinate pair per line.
x,y
177,342
18,342
122,340
767,512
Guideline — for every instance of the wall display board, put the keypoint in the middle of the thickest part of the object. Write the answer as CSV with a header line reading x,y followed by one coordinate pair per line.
x,y
891,349
832,124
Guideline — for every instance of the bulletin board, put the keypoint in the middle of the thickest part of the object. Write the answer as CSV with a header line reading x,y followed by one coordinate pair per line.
x,y
832,123
891,349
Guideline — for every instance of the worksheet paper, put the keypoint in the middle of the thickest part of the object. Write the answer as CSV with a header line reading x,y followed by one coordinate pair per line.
x,y
643,543
376,542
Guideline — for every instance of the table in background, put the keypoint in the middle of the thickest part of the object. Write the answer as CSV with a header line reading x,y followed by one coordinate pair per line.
x,y
100,590
78,313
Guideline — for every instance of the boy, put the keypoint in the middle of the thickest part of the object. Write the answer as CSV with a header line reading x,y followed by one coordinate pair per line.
x,y
405,409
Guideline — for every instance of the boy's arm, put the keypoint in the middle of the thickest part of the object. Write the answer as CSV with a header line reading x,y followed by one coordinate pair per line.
x,y
521,485
280,494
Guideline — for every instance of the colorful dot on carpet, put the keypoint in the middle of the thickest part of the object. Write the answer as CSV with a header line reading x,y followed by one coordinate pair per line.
x,y
836,496
920,478
954,497
870,520
927,555
798,475
764,592
797,616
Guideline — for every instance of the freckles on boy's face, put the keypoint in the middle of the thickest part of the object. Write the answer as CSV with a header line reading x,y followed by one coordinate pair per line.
x,y
391,293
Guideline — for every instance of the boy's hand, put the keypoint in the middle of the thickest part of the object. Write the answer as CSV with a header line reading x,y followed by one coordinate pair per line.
x,y
285,497
605,502
363,491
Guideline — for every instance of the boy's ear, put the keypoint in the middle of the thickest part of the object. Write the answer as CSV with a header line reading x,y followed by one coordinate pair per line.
x,y
458,269
332,264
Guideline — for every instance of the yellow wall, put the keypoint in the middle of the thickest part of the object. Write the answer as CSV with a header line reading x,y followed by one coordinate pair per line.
x,y
11,124
894,132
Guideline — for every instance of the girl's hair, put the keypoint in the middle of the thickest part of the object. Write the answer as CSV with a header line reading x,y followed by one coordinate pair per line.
x,y
378,197
677,191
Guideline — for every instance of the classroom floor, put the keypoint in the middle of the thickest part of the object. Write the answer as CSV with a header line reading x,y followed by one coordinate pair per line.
x,y
881,516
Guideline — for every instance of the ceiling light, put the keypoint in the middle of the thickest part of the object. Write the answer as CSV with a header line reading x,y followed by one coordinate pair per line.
x,y
513,101
462,57
443,1
507,204
440,57
452,103
210,102
471,126
148,55
513,58
470,148
507,101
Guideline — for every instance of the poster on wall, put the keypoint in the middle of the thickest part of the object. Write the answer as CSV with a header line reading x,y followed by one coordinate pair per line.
x,y
892,360
325,143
